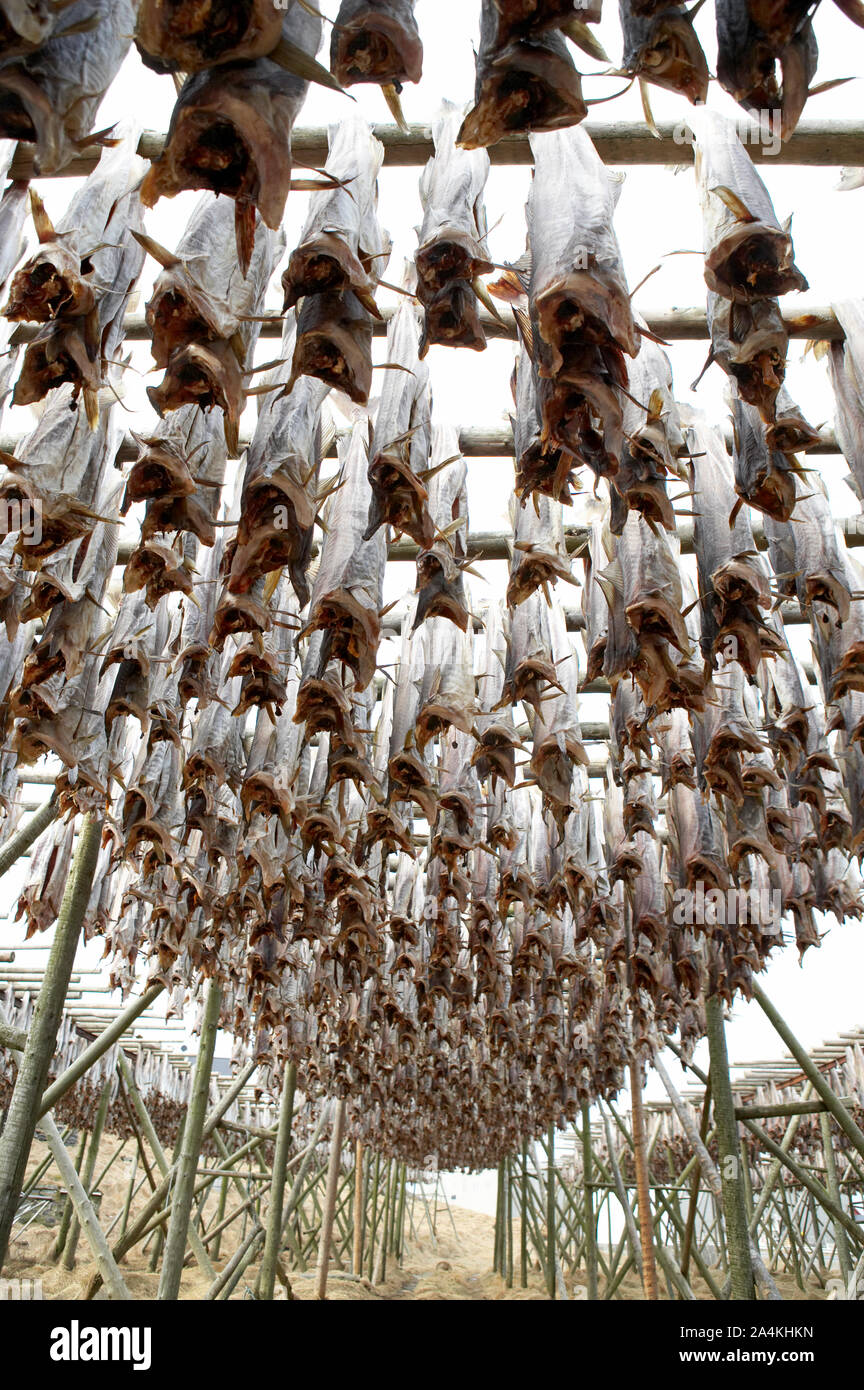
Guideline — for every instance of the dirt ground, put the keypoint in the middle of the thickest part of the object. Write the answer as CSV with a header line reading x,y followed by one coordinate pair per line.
x,y
452,1263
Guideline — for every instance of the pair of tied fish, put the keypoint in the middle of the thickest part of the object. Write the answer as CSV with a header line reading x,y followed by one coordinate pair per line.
x,y
77,284
749,261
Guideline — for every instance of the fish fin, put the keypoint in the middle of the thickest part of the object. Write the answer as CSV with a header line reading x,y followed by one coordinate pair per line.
x,y
579,33
394,104
646,108
302,64
733,203
41,221
167,259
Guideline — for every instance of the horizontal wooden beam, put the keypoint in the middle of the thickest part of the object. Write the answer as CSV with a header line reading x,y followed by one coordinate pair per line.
x,y
827,142
805,321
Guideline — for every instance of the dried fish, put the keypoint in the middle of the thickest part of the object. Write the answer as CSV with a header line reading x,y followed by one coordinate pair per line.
x,y
230,132
523,83
749,341
186,35
440,586
334,343
376,41
661,46
748,255
540,466
764,477
751,40
846,370
49,97
494,730
538,552
399,453
347,593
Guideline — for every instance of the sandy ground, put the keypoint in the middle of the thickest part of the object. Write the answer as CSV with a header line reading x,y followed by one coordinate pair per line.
x,y
453,1262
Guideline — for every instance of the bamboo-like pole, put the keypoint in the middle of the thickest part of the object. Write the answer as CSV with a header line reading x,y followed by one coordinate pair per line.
x,y
400,1242
88,1170
523,1205
98,1048
811,1071
330,1201
734,1208
831,1183
20,842
621,1194
693,1196
804,1178
373,1216
357,1252
267,1274
181,1207
509,1180
130,1192
499,1219
68,1209
550,1212
588,1198
643,1194
381,1263
35,1061
149,1131
85,1214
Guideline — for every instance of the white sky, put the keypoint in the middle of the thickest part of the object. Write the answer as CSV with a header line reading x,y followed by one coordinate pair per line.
x,y
657,213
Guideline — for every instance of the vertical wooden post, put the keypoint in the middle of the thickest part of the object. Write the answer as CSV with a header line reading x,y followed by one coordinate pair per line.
x,y
88,1170
734,1208
693,1198
373,1215
643,1195
588,1199
523,1210
130,1192
17,1137
400,1242
499,1220
184,1186
509,1179
840,1238
330,1201
550,1212
357,1256
267,1275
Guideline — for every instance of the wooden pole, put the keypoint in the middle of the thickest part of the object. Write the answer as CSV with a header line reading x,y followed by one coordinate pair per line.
x,y
550,1212
588,1198
24,1107
181,1206
509,1180
373,1216
693,1198
499,1219
88,1170
643,1195
85,1214
811,1071
330,1201
68,1209
98,1048
357,1253
734,1207
831,1183
267,1274
523,1211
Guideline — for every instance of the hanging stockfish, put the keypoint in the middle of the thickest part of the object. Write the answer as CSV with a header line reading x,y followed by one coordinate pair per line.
x,y
557,735
40,898
523,83
494,730
764,477
262,660
324,696
652,441
59,472
722,733
81,347
538,552
749,341
27,24
342,246
452,254
748,255
179,472
50,97
194,665
595,608
660,46
532,16
186,36
376,41
399,452
454,832
540,466
274,758
446,682
789,431
347,593
230,132
752,38
814,562
440,586
411,775
733,581
138,640
204,314
646,569
840,646
846,372
529,671
278,503
515,877
623,860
